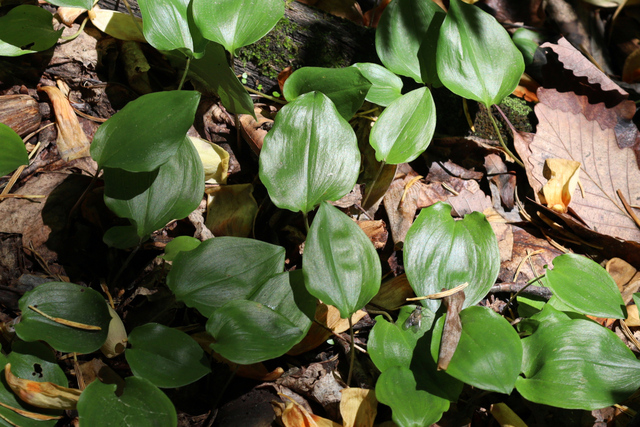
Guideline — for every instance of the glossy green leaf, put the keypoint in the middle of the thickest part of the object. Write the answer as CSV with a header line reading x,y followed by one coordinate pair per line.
x,y
636,299
310,155
442,253
169,25
146,133
341,266
385,88
403,27
585,287
411,407
489,354
428,51
476,58
82,4
26,29
528,42
392,344
69,302
14,153
166,357
223,269
577,364
122,237
152,199
236,23
179,244
277,318
405,128
141,405
429,378
211,74
34,361
346,87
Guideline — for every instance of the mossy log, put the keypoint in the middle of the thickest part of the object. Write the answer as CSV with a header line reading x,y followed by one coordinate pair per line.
x,y
305,37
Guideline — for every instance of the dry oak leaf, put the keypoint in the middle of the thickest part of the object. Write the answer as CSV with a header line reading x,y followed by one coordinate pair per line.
x,y
605,169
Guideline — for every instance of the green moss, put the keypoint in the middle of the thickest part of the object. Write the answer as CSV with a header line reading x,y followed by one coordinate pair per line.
x,y
517,110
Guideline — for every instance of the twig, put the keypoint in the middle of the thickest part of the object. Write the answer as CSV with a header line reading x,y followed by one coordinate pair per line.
x,y
522,288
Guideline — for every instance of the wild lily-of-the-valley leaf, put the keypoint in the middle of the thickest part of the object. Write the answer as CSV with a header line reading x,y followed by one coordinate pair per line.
x,y
442,253
385,88
237,23
340,264
169,25
146,133
310,155
346,87
405,128
26,29
13,150
83,4
476,58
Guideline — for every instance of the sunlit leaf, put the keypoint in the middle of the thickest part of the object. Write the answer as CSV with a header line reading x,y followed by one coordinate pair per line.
x,y
385,88
14,153
179,244
26,29
83,4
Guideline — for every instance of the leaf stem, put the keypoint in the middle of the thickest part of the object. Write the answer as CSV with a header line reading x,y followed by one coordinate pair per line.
x,y
135,21
69,38
184,75
529,283
265,96
352,352
504,145
369,188
306,221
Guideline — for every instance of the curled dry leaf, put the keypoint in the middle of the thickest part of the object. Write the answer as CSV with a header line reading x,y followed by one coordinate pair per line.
x,y
376,231
231,210
42,394
254,130
562,175
117,24
295,415
72,143
117,338
68,15
393,293
358,407
215,160
452,329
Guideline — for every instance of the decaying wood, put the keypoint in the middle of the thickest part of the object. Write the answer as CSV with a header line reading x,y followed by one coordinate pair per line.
x,y
20,113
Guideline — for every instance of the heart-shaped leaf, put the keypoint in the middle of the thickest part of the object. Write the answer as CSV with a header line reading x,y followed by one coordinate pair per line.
x,y
341,266
310,155
346,87
585,287
223,269
64,302
146,133
396,388
237,23
442,253
489,353
179,244
83,4
385,88
169,25
152,199
577,364
26,29
405,128
122,237
166,357
269,325
14,153
141,404
403,27
476,58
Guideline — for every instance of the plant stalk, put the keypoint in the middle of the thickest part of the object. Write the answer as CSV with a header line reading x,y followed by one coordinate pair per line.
x,y
369,188
504,145
352,352
306,221
135,21
184,75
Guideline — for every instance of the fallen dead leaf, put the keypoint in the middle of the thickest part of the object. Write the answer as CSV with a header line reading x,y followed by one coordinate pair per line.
x,y
358,407
452,329
563,176
42,394
393,293
231,210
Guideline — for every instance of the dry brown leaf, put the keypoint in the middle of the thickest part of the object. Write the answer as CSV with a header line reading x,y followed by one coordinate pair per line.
x,y
358,407
253,131
562,175
294,415
393,293
452,329
376,231
605,167
42,394
68,15
231,210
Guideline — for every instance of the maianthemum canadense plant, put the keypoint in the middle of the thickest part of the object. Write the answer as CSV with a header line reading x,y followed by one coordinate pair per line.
x,y
255,309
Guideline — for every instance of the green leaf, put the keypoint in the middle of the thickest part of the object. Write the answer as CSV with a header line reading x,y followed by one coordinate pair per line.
x,y
14,153
166,357
82,4
310,155
577,364
211,75
34,361
146,133
442,253
585,287
26,29
476,58
346,87
386,87
411,407
276,319
169,25
223,269
69,302
179,244
341,266
152,199
392,344
122,237
403,27
489,354
528,42
427,375
141,404
237,23
405,128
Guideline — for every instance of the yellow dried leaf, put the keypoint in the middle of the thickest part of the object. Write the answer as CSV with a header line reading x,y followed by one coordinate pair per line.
x,y
633,318
31,415
562,178
117,24
294,415
66,322
231,210
69,14
117,336
42,395
214,159
358,407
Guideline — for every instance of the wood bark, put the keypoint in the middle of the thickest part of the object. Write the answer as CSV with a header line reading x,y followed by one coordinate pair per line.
x,y
20,113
